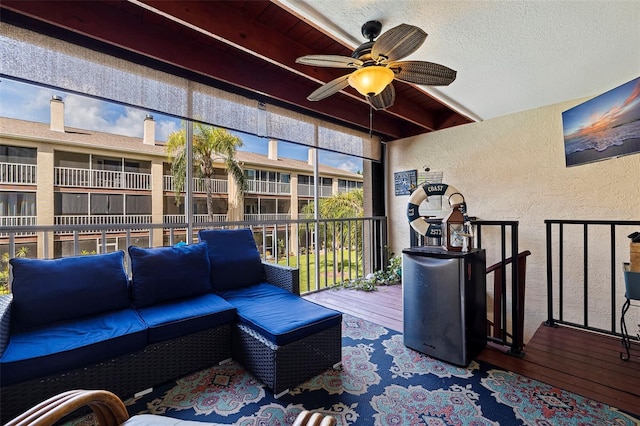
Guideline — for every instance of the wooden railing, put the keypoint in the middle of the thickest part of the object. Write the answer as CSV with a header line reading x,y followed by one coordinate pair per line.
x,y
510,332
497,327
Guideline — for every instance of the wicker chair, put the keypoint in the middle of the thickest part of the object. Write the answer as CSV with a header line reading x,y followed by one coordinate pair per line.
x,y
127,374
110,411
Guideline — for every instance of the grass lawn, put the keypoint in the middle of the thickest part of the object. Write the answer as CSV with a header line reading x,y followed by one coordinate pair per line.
x,y
335,267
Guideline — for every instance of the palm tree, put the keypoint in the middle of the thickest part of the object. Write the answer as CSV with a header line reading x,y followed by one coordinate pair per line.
x,y
344,205
210,145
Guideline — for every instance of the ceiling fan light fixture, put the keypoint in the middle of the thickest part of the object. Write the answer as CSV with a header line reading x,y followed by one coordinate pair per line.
x,y
371,80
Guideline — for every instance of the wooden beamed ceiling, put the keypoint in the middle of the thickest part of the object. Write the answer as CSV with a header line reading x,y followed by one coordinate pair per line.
x,y
250,46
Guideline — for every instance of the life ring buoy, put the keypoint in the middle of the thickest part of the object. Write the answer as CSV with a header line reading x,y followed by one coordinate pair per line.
x,y
421,194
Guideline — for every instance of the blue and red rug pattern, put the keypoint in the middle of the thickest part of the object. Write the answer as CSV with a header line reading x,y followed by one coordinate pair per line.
x,y
382,382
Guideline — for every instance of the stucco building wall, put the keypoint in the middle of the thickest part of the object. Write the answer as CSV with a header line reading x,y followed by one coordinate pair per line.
x,y
513,168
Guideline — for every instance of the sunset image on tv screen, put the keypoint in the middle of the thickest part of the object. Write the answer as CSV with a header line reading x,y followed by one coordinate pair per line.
x,y
606,126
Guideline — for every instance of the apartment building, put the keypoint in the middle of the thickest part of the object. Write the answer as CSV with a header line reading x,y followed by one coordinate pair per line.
x,y
54,175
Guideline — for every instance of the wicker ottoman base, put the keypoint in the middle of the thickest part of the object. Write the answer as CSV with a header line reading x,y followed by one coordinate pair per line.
x,y
127,374
285,367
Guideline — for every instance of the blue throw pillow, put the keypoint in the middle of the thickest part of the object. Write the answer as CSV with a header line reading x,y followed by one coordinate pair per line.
x,y
52,290
168,273
235,260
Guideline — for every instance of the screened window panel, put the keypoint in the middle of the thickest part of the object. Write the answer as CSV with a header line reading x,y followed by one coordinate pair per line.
x,y
66,203
199,206
289,126
17,154
44,60
340,139
224,109
284,206
107,204
137,166
267,206
138,204
17,204
71,159
170,207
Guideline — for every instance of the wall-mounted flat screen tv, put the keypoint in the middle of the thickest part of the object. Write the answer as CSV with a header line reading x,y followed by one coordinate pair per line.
x,y
607,126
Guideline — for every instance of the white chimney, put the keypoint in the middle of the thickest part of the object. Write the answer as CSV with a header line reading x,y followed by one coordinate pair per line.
x,y
273,149
57,114
312,156
149,137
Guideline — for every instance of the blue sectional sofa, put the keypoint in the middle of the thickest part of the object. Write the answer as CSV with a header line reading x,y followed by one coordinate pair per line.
x,y
280,337
81,322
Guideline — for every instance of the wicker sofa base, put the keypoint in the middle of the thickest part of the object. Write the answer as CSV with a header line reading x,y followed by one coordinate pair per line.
x,y
128,374
285,367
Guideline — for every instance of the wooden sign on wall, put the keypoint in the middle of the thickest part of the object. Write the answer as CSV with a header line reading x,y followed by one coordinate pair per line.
x,y
405,182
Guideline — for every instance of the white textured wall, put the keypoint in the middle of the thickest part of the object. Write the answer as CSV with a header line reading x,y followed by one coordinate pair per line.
x,y
513,168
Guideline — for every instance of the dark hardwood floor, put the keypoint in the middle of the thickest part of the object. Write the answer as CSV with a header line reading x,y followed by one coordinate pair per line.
x,y
582,362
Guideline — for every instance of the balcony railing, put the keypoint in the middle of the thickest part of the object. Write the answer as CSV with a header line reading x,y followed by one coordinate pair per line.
x,y
218,186
306,190
326,251
17,221
342,189
17,173
584,257
197,218
105,219
263,187
89,178
266,217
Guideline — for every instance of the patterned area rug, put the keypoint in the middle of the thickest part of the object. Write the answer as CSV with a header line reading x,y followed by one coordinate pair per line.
x,y
382,382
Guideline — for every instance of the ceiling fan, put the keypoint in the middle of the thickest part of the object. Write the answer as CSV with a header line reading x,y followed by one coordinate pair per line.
x,y
377,64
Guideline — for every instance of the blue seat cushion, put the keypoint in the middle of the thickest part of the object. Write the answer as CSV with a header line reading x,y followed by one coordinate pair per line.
x,y
235,260
168,273
46,291
278,315
72,344
181,317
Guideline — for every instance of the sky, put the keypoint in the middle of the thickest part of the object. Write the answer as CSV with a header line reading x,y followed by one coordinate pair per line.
x,y
31,103
617,106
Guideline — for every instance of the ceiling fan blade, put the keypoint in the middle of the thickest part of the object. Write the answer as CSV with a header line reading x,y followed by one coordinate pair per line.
x,y
329,88
398,42
422,72
334,61
385,99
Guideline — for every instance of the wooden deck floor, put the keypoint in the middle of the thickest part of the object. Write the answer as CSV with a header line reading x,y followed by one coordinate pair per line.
x,y
585,363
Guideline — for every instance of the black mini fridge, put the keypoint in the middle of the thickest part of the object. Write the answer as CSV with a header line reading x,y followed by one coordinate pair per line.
x,y
444,303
